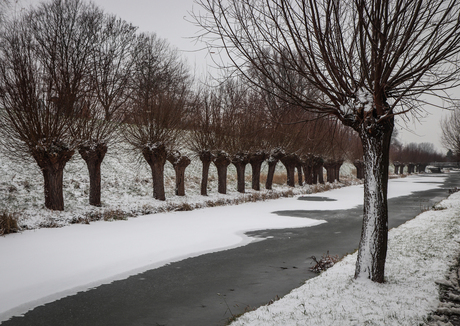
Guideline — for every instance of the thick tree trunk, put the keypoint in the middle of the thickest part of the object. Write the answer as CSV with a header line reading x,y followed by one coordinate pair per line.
x,y
307,171
179,163
330,171
156,158
93,156
221,161
271,172
290,162
299,174
359,169
275,156
422,168
401,169
240,161
410,168
337,166
374,235
52,166
206,159
256,161
396,165
320,173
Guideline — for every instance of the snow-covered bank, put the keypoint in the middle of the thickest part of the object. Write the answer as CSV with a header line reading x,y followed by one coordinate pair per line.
x,y
127,190
419,253
39,266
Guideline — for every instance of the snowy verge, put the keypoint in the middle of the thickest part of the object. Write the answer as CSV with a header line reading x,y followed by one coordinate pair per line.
x,y
127,190
419,254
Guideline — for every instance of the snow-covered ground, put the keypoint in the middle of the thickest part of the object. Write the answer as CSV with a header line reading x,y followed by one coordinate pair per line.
x,y
41,265
419,255
127,189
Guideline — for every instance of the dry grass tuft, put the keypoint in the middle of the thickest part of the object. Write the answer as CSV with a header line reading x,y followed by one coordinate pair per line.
x,y
184,207
8,223
279,179
114,215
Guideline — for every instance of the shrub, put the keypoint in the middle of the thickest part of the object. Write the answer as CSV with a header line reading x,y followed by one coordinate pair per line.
x,y
324,263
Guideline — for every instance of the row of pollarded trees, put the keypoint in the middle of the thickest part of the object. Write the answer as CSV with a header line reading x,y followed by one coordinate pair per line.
x,y
74,79
70,75
368,60
236,125
414,156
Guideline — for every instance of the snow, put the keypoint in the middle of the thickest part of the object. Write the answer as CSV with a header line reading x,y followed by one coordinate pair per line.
x,y
419,255
57,262
42,265
126,189
366,99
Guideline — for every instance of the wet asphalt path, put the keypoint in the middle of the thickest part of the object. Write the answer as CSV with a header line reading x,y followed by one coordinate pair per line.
x,y
209,289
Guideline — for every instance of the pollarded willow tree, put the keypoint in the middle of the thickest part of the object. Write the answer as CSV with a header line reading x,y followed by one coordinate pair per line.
x,y
158,104
44,81
111,66
368,60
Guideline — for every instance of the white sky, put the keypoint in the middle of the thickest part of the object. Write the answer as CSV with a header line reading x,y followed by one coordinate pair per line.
x,y
170,20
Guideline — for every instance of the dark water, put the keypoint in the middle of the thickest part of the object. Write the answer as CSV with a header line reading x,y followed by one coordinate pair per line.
x,y
209,289
315,198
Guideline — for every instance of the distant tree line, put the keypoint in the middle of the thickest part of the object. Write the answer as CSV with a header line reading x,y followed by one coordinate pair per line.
x,y
414,157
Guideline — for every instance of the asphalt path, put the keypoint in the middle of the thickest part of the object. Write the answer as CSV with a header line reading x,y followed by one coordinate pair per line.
x,y
209,289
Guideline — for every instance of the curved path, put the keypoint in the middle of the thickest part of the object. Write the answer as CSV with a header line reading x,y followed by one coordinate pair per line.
x,y
209,289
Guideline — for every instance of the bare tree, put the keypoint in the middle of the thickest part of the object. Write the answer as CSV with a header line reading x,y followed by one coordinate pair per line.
x,y
44,81
159,96
450,127
111,66
369,60
202,140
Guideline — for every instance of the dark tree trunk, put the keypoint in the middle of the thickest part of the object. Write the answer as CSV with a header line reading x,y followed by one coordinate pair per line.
x,y
401,169
337,166
396,165
93,157
314,174
52,166
307,171
271,172
320,173
410,168
299,174
374,235
222,161
275,156
330,171
422,167
240,161
206,159
359,169
156,158
256,161
290,162
179,163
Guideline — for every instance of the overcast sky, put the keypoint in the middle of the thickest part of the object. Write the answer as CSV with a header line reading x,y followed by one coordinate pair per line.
x,y
170,19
